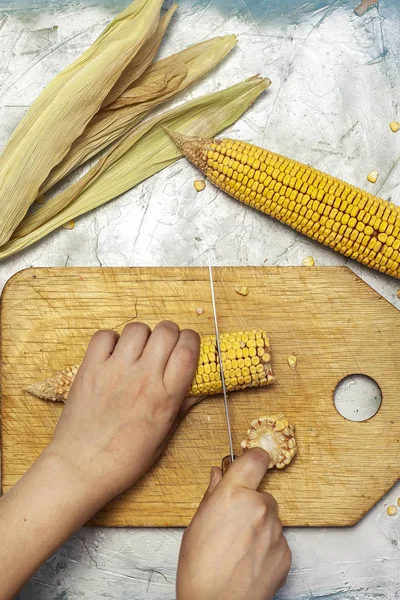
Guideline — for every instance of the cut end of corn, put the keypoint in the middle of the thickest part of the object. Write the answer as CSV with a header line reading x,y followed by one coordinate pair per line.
x,y
246,360
55,388
199,185
292,361
242,290
373,176
395,126
308,261
392,510
275,435
349,220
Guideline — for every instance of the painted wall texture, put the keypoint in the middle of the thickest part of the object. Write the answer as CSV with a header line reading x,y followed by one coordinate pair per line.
x,y
335,89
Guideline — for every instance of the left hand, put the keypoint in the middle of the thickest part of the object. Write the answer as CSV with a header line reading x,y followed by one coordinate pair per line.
x,y
125,403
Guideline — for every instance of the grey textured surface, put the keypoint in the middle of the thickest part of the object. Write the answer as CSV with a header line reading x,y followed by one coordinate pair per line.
x,y
335,90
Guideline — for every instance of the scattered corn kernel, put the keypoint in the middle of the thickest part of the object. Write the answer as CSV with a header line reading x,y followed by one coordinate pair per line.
x,y
292,361
243,291
398,501
308,261
200,310
392,510
373,176
40,200
395,126
199,185
69,225
398,294
275,435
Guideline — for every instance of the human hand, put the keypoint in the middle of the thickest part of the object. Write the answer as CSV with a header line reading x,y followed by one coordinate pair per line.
x,y
126,401
234,547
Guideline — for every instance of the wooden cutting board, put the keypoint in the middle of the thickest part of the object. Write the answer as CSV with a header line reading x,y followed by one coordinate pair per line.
x,y
332,321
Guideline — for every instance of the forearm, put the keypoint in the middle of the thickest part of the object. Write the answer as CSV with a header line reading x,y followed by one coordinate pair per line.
x,y
47,505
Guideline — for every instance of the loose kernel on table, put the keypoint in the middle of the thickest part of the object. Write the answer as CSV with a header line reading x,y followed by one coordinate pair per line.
x,y
373,176
392,510
243,291
69,225
398,294
200,310
199,185
292,361
395,126
308,261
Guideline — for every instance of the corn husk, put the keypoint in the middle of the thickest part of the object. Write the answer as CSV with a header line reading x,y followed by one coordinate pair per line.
x,y
63,110
142,60
143,152
162,80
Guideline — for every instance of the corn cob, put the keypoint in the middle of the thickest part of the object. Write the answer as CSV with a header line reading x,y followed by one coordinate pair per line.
x,y
246,359
345,218
275,435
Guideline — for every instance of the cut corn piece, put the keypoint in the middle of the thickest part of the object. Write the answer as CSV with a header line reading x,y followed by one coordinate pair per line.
x,y
246,359
275,435
395,126
373,176
292,361
392,510
199,185
328,210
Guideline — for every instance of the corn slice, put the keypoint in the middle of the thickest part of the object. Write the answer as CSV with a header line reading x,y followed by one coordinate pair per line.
x,y
44,136
145,151
275,435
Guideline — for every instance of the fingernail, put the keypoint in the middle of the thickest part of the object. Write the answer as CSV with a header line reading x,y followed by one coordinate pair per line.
x,y
260,454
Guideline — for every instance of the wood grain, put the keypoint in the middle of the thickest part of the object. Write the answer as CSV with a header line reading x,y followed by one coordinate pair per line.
x,y
332,321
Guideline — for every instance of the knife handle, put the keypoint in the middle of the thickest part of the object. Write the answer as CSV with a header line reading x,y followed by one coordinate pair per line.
x,y
226,463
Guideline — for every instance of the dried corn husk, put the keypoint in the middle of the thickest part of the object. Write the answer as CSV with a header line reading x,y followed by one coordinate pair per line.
x,y
144,152
161,81
142,60
62,111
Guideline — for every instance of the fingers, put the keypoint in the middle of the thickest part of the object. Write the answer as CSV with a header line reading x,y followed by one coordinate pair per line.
x,y
101,346
160,345
181,367
132,342
248,470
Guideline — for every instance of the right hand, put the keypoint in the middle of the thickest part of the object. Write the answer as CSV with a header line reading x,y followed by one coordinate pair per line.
x,y
234,548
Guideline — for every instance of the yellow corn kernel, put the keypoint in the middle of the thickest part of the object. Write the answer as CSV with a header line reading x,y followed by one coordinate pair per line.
x,y
327,210
239,371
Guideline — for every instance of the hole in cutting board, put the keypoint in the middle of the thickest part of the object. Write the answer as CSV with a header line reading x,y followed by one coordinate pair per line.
x,y
357,397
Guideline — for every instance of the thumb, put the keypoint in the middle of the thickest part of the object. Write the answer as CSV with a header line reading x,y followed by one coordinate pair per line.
x,y
215,478
248,470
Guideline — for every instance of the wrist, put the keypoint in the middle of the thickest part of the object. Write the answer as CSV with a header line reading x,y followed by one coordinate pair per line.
x,y
77,479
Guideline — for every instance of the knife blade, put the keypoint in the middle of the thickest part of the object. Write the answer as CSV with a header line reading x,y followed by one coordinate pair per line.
x,y
225,462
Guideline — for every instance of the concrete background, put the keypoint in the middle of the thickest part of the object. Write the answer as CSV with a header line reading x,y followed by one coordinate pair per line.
x,y
335,89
